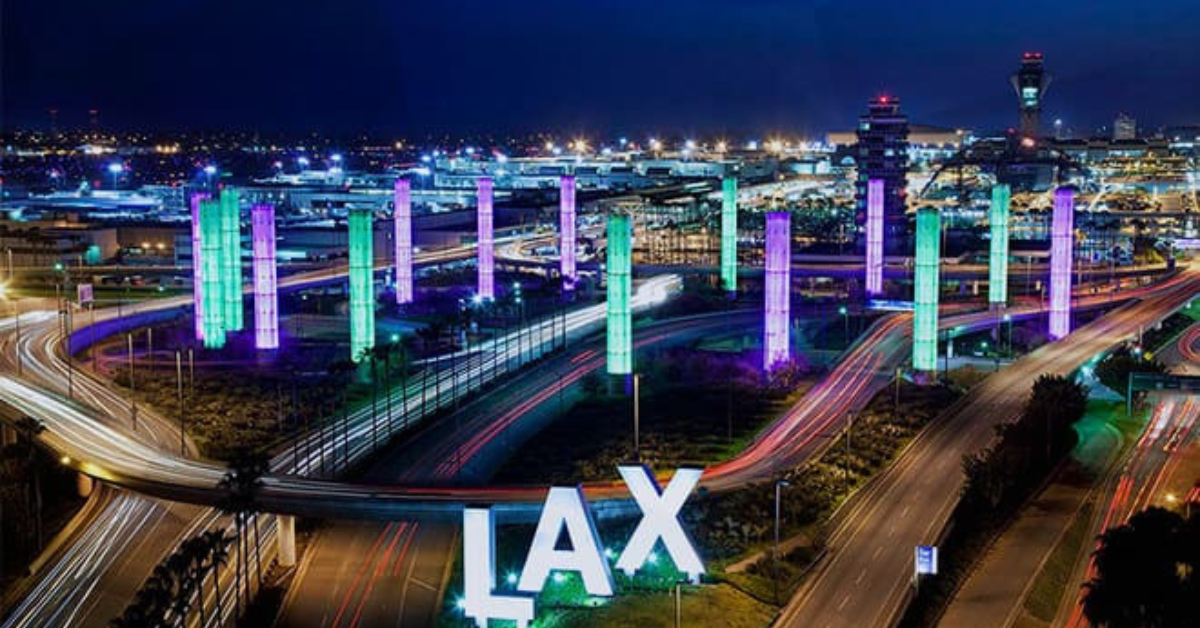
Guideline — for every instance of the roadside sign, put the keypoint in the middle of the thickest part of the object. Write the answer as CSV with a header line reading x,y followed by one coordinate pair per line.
x,y
85,293
926,560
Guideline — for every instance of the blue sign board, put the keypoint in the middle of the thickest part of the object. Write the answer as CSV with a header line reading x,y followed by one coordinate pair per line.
x,y
926,560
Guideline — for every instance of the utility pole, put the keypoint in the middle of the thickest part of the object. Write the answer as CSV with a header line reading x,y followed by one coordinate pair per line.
x,y
849,428
896,405
637,419
779,484
132,386
179,399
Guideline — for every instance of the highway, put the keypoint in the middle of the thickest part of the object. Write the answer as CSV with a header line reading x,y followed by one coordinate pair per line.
x,y
361,573
1145,476
116,458
859,369
105,428
865,580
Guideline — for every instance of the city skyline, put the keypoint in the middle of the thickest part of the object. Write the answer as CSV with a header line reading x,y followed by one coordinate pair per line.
x,y
708,68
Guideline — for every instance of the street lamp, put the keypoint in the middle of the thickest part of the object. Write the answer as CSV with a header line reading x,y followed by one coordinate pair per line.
x,y
115,169
209,171
845,323
779,484
16,324
637,417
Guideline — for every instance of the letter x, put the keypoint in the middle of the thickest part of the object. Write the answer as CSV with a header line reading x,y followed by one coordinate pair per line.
x,y
660,512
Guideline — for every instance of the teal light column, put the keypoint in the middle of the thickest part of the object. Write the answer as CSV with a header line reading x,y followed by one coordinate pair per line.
x,y
618,267
998,257
729,234
362,293
212,292
231,259
925,297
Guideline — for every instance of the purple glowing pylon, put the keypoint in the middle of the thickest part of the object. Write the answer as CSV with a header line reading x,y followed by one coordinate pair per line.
x,y
266,291
874,251
1061,236
197,265
485,243
403,239
566,231
778,289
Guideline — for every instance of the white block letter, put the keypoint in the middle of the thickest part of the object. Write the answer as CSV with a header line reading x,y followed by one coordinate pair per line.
x,y
660,520
479,577
566,507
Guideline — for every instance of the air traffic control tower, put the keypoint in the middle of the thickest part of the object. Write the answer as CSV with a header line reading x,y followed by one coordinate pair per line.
x,y
1030,83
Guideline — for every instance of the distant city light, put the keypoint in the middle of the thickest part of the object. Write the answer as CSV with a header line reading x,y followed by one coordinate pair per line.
x,y
303,161
337,157
116,168
752,145
210,170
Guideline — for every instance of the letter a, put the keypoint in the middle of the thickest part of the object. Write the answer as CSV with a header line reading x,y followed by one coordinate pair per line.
x,y
660,520
566,507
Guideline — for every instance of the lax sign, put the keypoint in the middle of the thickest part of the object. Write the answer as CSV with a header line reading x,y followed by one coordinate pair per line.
x,y
566,508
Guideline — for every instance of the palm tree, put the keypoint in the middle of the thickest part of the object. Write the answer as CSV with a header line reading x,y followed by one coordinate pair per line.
x,y
340,371
383,353
241,484
181,577
195,551
369,355
217,544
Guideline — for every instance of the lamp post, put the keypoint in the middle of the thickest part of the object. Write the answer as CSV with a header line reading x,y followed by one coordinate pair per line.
x,y
16,322
637,418
115,169
845,324
1008,343
779,484
209,171
132,387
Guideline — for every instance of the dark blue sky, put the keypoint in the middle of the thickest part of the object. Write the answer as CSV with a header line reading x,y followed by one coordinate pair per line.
x,y
410,68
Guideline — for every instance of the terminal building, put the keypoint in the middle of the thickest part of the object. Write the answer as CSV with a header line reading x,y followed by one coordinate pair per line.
x,y
615,172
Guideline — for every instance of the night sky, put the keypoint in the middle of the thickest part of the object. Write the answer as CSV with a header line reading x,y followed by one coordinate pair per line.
x,y
704,67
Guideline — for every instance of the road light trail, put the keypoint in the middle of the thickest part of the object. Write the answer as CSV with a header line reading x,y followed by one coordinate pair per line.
x,y
909,503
